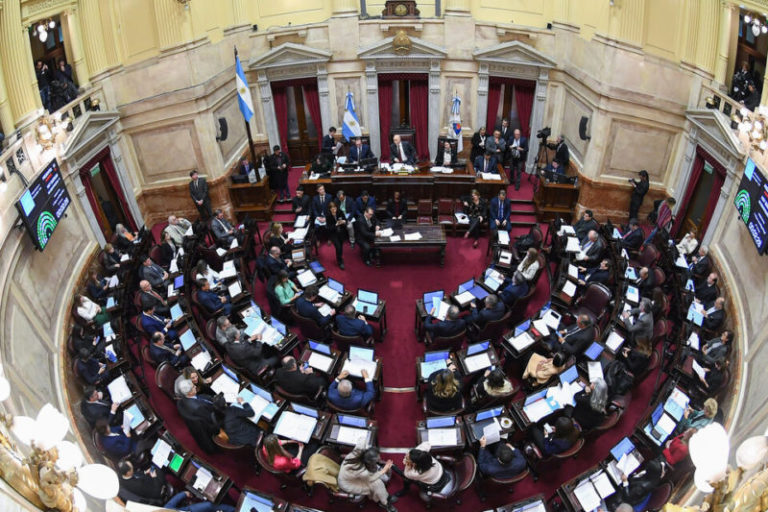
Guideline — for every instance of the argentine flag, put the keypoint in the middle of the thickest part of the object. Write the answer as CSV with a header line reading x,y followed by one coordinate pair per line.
x,y
455,122
243,92
351,126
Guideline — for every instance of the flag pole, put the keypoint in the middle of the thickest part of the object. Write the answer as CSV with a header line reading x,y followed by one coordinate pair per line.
x,y
253,155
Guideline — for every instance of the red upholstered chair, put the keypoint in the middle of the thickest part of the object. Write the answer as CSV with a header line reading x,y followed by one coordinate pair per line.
x,y
659,497
165,379
312,401
493,330
145,353
308,327
424,211
647,257
445,215
482,483
333,495
659,276
343,342
594,302
445,343
155,253
462,473
455,412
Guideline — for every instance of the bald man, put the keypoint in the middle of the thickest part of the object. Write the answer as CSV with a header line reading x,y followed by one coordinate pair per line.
x,y
401,151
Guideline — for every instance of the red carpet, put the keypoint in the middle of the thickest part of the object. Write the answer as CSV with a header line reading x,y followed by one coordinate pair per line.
x,y
400,281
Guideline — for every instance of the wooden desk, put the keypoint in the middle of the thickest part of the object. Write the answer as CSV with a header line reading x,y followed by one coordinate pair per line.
x,y
254,199
335,355
332,437
172,462
150,418
553,199
214,491
461,355
379,316
422,433
421,379
504,417
512,507
323,420
249,498
432,237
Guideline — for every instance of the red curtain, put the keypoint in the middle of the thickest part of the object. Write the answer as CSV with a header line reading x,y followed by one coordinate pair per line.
x,y
494,95
524,96
385,115
114,180
281,112
698,167
104,160
313,104
420,116
714,195
85,176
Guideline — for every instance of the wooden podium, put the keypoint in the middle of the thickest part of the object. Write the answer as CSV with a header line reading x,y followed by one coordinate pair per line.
x,y
254,199
553,199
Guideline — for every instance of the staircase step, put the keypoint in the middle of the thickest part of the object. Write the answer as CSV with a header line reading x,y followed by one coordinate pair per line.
x,y
283,218
524,217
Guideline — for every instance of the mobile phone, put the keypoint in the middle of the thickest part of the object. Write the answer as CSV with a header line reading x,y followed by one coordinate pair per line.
x,y
304,365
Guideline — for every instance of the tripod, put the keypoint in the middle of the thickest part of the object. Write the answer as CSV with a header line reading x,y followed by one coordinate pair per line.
x,y
543,155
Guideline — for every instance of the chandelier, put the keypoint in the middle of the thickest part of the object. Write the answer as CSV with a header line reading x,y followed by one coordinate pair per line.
x,y
757,23
754,125
41,28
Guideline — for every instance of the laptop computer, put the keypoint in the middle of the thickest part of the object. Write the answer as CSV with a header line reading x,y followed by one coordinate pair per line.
x,y
569,375
320,347
277,324
594,351
230,373
301,409
478,347
316,267
187,339
441,422
335,285
178,282
366,302
521,328
430,298
352,421
484,418
365,354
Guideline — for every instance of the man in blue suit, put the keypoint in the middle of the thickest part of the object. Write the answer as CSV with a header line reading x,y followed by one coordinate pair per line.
x,y
345,396
211,301
320,208
499,212
364,201
506,462
518,149
359,151
160,351
493,310
451,326
348,325
307,309
486,163
516,289
152,323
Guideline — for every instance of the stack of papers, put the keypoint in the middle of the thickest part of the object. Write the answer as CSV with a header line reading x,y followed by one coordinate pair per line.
x,y
595,370
306,278
256,325
387,232
297,234
477,362
235,289
569,288
356,366
118,390
521,342
202,478
320,362
490,176
572,245
440,307
301,221
591,491
201,360
259,404
413,236
492,431
541,326
573,271
537,410
351,435
442,436
329,294
503,237
228,270
566,229
295,426
227,386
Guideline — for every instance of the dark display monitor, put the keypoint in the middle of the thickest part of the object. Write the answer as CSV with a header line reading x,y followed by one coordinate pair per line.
x,y
43,204
752,202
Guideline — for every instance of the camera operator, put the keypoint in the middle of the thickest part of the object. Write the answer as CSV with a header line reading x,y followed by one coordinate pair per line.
x,y
562,156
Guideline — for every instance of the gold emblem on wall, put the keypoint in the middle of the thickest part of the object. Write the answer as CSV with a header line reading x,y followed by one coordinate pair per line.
x,y
402,43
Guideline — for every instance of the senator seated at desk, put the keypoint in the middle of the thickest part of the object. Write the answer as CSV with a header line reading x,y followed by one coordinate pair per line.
x,y
152,323
239,428
444,391
161,351
562,437
148,486
600,274
275,263
633,238
486,163
150,297
516,289
298,381
90,369
493,383
200,415
212,301
504,461
359,152
96,405
573,340
152,272
306,308
591,250
344,395
248,354
445,328
591,402
446,156
350,325
584,225
639,321
493,309
540,369
401,151
223,230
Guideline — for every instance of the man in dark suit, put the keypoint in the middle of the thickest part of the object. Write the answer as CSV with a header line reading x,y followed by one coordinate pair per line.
x,y
575,339
198,189
211,301
518,151
90,369
276,263
359,151
516,289
95,406
505,130
562,155
446,157
200,415
591,250
507,462
320,207
238,427
493,310
280,166
298,381
306,308
160,352
153,273
344,395
367,227
646,282
584,225
150,297
223,230
486,163
706,292
347,206
349,325
700,264
600,274
444,328
633,238
152,323
497,145
402,151
364,201
397,210
248,354
478,144
499,212
639,321
714,315
146,487
329,141
245,167
716,349
301,202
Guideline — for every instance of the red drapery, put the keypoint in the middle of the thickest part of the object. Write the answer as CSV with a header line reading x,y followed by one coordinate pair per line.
x,y
702,156
524,95
714,195
420,116
313,105
281,113
385,116
494,95
104,160
698,167
85,177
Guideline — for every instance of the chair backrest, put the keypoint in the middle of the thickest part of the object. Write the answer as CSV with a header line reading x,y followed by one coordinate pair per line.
x,y
155,253
465,470
659,276
292,397
424,207
538,236
648,256
495,328
147,355
275,307
210,329
448,342
660,330
427,410
596,297
343,342
659,497
308,327
165,378
444,206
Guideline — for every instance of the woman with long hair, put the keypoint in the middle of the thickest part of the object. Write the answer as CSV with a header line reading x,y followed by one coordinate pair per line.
x,y
285,289
203,271
337,228
476,208
280,458
191,374
277,238
361,473
444,392
529,265
421,466
636,359
540,368
494,383
562,437
591,403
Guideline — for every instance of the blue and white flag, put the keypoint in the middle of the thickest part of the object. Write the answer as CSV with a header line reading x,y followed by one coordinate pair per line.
x,y
243,92
455,122
351,126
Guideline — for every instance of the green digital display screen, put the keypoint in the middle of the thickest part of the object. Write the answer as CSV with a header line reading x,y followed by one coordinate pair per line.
x,y
175,463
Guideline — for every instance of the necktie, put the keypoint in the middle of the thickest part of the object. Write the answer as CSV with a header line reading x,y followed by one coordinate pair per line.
x,y
485,164
501,210
587,246
402,153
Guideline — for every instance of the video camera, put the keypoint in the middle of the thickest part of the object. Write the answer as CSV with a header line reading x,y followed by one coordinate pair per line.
x,y
544,133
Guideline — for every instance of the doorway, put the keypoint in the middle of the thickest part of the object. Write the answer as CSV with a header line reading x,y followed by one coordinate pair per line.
x,y
694,214
701,195
55,79
105,195
297,108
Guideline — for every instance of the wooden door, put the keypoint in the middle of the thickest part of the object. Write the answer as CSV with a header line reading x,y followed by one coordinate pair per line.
x,y
694,214
302,133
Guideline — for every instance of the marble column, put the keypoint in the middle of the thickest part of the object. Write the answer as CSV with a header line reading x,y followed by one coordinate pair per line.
x,y
724,42
345,7
116,154
76,57
93,37
483,79
706,45
691,25
686,165
325,99
240,12
16,61
173,23
457,7
268,104
372,106
6,116
537,119
434,106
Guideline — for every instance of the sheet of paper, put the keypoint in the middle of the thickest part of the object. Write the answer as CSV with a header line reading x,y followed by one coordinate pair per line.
x,y
228,270
492,432
602,484
127,419
537,410
235,289
461,218
125,257
298,234
628,463
320,361
430,367
573,271
613,471
587,495
666,424
464,298
614,341
113,281
202,478
306,278
693,341
118,390
356,366
234,244
522,342
569,288
441,310
413,236
295,426
160,454
201,360
395,238
174,267
566,229
329,294
226,385
595,370
220,251
572,245
442,436
477,362
541,326
301,221
503,237
350,435
505,257
699,370
552,318
490,176
680,262
387,232
325,309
